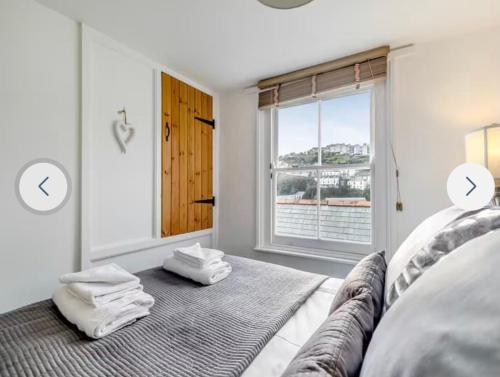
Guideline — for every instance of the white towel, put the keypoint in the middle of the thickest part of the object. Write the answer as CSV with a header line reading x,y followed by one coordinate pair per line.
x,y
109,273
99,294
196,256
206,276
99,322
196,264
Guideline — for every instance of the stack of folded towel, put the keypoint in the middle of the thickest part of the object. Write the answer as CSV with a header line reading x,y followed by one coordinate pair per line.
x,y
199,264
102,300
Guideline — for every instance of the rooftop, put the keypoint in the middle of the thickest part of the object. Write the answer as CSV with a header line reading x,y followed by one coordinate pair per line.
x,y
337,222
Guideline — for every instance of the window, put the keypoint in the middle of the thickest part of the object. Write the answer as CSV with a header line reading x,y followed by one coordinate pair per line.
x,y
322,179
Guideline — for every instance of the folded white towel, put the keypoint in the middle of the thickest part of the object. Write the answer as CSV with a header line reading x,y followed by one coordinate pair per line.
x,y
99,322
212,274
109,273
196,264
98,294
196,256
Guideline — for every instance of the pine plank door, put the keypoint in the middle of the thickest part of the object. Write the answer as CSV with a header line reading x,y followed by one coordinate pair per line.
x,y
187,149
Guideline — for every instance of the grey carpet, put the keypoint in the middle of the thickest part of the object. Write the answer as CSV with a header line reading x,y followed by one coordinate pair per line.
x,y
192,330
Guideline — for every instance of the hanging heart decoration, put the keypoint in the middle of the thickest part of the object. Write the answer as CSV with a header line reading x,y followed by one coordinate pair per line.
x,y
124,133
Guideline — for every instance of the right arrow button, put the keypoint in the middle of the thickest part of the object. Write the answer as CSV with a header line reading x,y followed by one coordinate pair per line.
x,y
470,186
473,186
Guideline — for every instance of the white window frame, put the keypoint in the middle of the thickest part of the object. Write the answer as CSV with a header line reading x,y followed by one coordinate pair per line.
x,y
344,251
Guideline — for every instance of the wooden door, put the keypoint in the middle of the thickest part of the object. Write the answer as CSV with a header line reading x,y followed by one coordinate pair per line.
x,y
187,126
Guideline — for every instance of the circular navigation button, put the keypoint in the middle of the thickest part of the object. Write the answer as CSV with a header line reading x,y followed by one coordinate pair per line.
x,y
470,186
43,186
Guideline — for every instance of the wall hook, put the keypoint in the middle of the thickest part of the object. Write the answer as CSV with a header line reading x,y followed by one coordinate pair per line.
x,y
124,112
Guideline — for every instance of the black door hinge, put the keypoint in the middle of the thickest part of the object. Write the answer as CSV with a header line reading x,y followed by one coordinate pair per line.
x,y
206,201
207,121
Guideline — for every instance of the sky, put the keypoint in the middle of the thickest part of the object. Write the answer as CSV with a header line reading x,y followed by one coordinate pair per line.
x,y
344,120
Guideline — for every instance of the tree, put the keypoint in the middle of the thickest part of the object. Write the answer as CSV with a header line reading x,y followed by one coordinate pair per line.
x,y
310,157
289,184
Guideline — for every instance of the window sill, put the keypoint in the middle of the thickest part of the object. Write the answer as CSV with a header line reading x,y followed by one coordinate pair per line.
x,y
318,254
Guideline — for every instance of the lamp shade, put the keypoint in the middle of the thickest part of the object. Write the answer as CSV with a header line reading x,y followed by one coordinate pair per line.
x,y
482,146
284,4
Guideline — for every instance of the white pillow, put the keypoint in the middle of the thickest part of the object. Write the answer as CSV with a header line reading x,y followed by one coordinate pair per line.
x,y
417,239
447,324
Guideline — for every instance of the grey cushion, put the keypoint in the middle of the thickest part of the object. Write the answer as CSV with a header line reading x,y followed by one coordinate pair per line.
x,y
447,324
336,349
368,275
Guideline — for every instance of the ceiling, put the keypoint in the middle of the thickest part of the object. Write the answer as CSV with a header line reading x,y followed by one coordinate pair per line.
x,y
231,44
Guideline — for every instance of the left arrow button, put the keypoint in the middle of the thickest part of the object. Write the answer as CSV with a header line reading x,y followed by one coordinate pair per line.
x,y
41,184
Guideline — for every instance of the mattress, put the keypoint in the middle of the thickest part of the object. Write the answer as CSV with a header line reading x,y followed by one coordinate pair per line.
x,y
280,350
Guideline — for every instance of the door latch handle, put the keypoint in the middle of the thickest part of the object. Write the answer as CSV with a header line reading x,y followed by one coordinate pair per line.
x,y
167,131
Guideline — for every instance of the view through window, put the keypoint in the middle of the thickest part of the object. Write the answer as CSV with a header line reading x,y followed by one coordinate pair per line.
x,y
321,169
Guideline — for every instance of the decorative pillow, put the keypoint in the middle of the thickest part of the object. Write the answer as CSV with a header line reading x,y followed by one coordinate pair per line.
x,y
417,239
336,349
451,237
448,323
368,275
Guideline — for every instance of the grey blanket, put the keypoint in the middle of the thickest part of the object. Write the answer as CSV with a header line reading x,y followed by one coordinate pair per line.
x,y
192,330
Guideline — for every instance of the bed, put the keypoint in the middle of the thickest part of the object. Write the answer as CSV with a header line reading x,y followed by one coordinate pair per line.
x,y
284,345
440,318
251,324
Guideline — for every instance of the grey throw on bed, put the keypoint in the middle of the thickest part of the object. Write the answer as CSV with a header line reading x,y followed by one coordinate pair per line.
x,y
192,330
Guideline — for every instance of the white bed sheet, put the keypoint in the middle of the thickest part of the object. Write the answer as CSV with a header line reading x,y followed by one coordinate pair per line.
x,y
280,350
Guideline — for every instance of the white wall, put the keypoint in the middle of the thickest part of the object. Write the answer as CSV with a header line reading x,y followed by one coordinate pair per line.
x,y
120,183
118,189
442,90
39,107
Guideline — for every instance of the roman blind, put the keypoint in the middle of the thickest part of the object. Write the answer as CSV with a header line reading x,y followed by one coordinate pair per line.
x,y
307,82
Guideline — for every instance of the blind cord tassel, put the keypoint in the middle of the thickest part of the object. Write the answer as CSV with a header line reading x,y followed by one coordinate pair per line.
x,y
399,202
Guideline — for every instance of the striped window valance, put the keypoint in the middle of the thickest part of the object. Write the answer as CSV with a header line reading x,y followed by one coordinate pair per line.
x,y
308,82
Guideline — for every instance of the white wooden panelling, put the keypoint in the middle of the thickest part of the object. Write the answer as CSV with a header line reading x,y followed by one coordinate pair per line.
x,y
121,193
